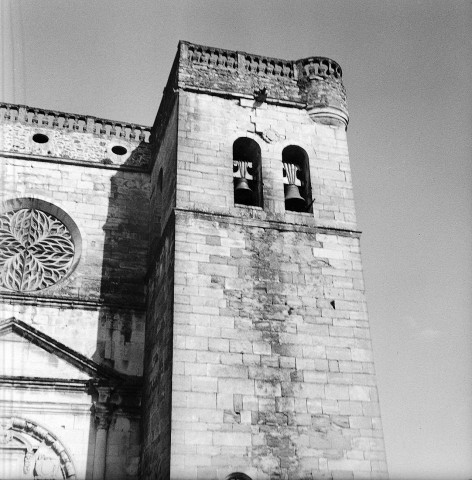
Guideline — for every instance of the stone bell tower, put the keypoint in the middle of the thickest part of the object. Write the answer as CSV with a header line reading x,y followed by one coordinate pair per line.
x,y
258,359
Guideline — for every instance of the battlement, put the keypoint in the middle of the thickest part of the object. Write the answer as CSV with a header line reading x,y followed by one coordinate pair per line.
x,y
314,83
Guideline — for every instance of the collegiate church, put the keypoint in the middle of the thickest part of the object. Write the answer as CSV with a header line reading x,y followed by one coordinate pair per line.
x,y
185,301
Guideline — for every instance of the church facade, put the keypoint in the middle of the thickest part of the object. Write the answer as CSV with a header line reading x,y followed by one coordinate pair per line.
x,y
186,301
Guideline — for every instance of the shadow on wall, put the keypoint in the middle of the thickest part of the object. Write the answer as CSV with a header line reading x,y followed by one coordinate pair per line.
x,y
114,440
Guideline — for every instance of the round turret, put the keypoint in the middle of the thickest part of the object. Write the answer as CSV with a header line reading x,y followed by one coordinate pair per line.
x,y
321,87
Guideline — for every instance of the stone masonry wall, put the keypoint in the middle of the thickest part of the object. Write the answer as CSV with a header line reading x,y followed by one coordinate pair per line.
x,y
315,82
157,388
272,369
208,127
98,310
105,292
157,394
67,137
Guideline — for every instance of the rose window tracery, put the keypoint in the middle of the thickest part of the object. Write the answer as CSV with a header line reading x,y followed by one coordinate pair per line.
x,y
36,250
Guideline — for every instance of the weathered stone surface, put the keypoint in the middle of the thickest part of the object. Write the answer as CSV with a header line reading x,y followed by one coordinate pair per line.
x,y
268,305
97,310
46,133
315,82
247,323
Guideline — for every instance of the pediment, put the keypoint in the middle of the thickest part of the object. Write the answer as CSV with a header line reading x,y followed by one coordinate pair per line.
x,y
29,353
23,358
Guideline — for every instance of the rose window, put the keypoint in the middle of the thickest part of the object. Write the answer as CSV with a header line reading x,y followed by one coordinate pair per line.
x,y
36,250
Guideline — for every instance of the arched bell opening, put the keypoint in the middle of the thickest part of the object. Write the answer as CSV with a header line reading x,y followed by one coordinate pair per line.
x,y
247,177
238,476
296,178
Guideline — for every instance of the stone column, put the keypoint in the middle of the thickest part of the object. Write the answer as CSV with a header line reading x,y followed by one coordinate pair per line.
x,y
102,422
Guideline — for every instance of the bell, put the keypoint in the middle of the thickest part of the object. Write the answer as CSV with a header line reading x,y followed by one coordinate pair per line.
x,y
242,191
293,200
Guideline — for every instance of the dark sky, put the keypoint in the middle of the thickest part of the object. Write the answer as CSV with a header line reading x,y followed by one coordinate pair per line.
x,y
407,70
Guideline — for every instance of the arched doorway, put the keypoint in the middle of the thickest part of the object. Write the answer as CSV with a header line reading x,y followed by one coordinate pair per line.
x,y
29,451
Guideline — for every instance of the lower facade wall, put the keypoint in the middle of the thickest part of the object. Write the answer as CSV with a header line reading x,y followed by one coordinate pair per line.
x,y
66,416
273,372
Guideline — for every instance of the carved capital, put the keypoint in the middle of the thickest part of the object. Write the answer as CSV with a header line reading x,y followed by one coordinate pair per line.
x,y
102,421
102,416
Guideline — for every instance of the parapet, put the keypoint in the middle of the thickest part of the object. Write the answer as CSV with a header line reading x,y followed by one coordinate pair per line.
x,y
313,83
67,136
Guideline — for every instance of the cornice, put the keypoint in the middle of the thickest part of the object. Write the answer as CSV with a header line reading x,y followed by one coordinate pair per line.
x,y
269,224
35,300
79,163
38,383
79,361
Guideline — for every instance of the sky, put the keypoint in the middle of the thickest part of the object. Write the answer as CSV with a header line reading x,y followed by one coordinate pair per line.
x,y
407,70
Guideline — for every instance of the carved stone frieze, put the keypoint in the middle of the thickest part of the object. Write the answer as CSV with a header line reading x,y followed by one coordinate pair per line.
x,y
46,463
270,135
45,457
6,434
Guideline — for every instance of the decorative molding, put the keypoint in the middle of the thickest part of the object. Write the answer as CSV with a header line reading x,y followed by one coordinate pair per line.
x,y
319,66
321,87
40,134
215,57
274,224
200,55
328,115
34,231
270,135
219,70
28,405
72,303
67,354
51,451
38,383
144,168
102,413
39,117
312,83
